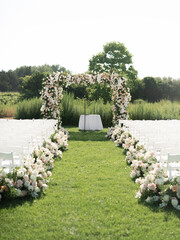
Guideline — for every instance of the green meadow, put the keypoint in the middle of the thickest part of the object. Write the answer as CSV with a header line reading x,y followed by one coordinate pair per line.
x,y
90,196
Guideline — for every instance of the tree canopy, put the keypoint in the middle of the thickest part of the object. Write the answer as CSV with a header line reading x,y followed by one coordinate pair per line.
x,y
32,85
114,58
12,80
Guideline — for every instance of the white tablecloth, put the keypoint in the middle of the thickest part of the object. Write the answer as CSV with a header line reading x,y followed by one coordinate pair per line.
x,y
90,122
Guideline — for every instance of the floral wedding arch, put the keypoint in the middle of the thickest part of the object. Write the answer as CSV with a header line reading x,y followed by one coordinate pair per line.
x,y
52,92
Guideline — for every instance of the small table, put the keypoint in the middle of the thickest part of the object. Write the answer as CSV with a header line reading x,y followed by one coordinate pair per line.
x,y
90,122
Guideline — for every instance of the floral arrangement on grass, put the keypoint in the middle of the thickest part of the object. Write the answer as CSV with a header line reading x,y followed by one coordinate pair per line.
x,y
32,178
52,92
155,187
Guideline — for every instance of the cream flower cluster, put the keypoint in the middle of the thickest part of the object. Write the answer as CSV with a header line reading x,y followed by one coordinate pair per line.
x,y
155,187
51,95
61,138
32,178
52,92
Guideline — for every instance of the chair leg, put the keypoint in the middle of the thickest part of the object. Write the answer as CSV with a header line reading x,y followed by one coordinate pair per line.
x,y
170,172
12,160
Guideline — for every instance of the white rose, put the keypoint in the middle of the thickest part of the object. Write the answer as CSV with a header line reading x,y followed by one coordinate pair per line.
x,y
41,170
138,195
3,173
174,202
178,207
166,198
19,183
7,180
30,188
20,173
35,172
37,189
45,186
39,161
18,192
138,181
45,175
134,164
24,170
27,184
164,204
149,200
155,198
159,181
178,194
26,177
49,173
178,179
33,177
133,174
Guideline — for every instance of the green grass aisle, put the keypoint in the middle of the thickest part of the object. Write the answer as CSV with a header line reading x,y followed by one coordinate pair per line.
x,y
90,196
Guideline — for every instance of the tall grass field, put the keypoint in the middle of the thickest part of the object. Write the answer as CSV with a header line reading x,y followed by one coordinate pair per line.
x,y
8,101
7,110
162,110
28,109
73,108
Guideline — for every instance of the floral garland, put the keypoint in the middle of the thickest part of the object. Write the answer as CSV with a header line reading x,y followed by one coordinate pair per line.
x,y
155,187
52,92
32,178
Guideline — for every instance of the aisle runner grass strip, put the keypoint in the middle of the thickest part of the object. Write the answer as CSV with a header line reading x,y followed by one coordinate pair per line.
x,y
90,196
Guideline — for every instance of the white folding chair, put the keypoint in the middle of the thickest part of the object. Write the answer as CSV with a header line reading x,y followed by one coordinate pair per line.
x,y
6,160
173,163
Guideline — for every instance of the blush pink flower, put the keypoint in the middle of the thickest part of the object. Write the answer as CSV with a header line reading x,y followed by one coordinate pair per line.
x,y
152,186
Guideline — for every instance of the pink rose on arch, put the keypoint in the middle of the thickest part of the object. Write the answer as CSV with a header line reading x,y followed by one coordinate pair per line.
x,y
152,186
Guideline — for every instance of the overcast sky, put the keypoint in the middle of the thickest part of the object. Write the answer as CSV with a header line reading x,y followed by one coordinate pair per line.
x,y
70,32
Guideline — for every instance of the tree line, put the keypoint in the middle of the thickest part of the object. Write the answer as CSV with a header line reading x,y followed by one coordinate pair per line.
x,y
115,58
27,79
155,89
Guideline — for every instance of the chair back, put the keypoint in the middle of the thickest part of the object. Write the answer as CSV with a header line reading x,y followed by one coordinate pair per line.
x,y
172,158
6,157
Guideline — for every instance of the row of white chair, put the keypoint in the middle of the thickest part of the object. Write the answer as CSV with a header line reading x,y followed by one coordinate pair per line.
x,y
162,137
20,137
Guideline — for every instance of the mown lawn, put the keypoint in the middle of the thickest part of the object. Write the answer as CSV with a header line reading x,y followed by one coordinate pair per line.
x,y
90,196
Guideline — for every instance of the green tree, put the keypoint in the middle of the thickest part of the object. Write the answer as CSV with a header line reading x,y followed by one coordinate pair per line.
x,y
32,85
13,81
151,92
23,71
136,89
49,68
98,91
114,58
4,82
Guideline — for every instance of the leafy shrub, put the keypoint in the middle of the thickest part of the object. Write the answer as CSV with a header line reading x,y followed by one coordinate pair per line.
x,y
9,97
32,85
